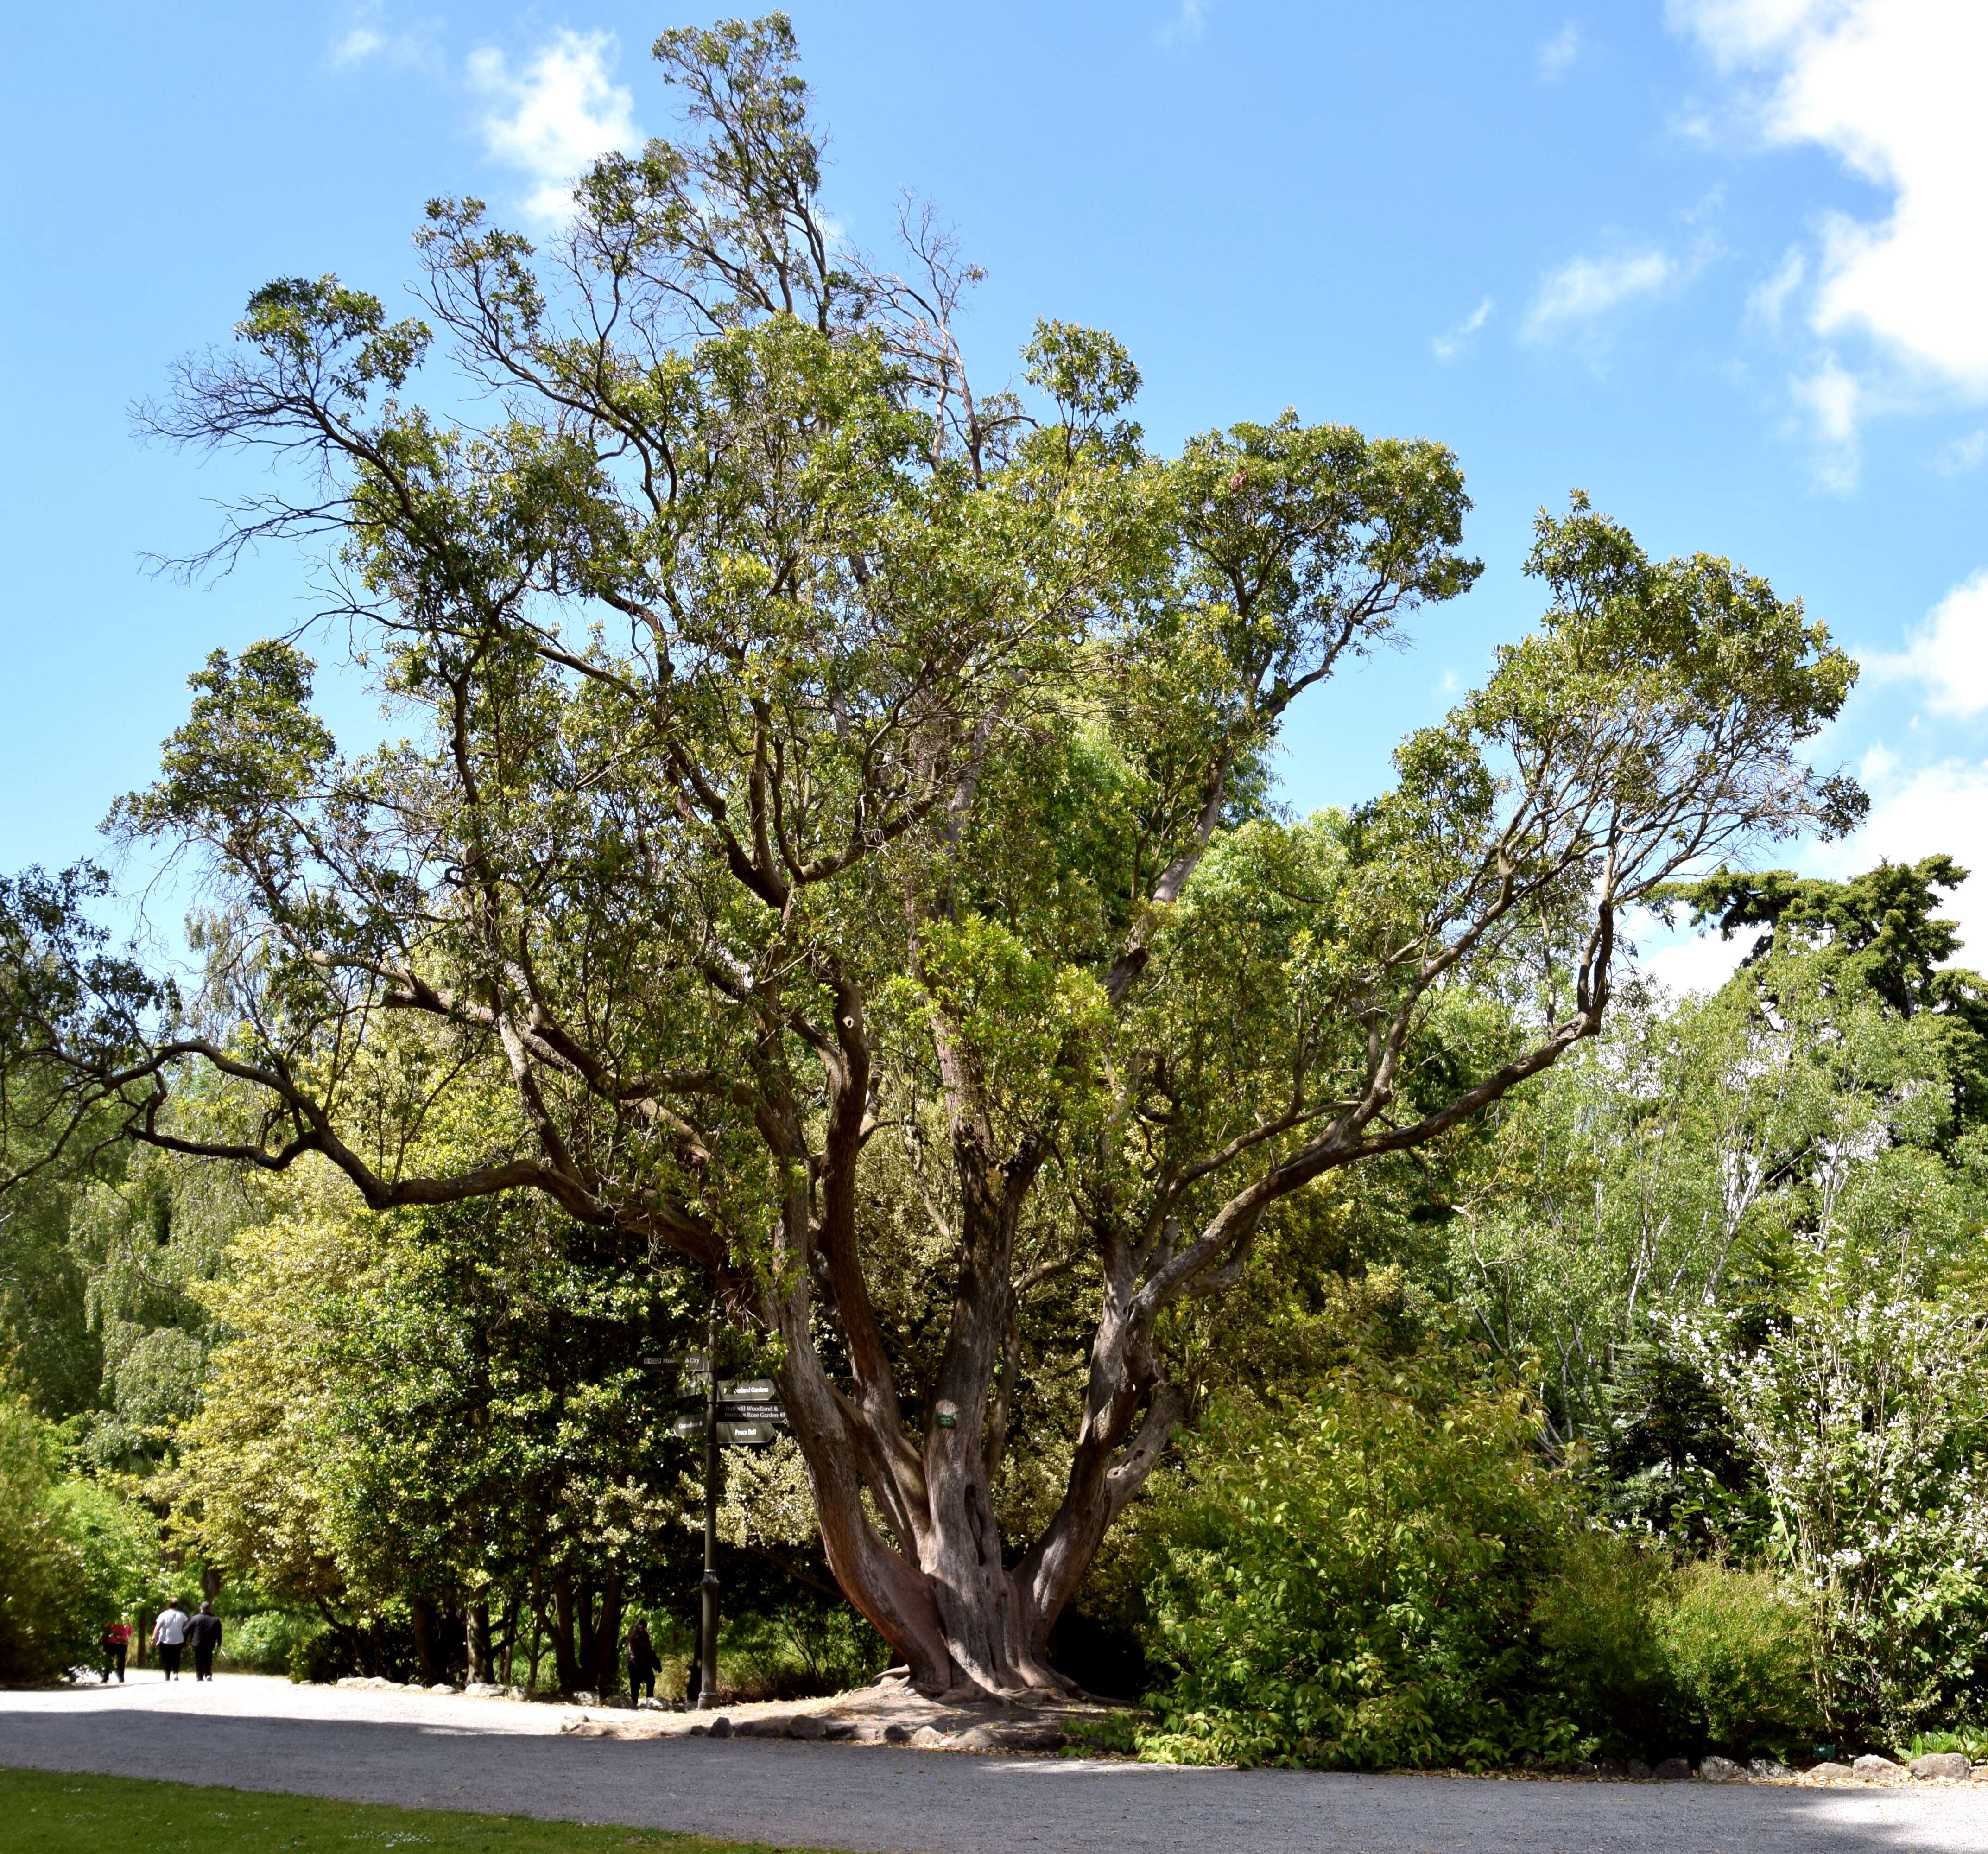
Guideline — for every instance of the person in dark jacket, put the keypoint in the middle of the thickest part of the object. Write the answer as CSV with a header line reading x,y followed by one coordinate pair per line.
x,y
203,1635
643,1664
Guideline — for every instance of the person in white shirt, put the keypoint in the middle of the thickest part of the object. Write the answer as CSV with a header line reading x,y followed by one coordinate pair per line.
x,y
169,1637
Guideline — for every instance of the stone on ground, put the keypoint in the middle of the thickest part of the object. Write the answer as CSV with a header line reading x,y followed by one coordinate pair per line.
x,y
1953,1766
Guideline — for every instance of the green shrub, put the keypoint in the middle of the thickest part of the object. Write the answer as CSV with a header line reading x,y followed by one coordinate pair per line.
x,y
1740,1648
799,1651
1352,1581
265,1641
76,1554
1602,1652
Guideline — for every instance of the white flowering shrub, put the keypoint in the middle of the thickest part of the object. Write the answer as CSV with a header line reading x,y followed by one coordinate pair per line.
x,y
1864,1411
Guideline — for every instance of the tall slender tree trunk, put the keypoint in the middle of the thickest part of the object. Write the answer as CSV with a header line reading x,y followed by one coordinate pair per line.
x,y
476,1641
565,1661
421,1611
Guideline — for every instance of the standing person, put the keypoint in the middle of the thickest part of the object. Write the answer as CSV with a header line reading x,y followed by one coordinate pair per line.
x,y
116,1644
202,1633
169,1637
643,1664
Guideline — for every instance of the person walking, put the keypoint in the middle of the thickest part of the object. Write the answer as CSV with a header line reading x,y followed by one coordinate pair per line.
x,y
169,1637
203,1635
644,1664
115,1643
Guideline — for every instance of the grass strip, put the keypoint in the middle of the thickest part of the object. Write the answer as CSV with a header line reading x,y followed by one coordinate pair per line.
x,y
58,1812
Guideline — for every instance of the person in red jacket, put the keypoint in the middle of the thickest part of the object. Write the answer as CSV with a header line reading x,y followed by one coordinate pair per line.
x,y
116,1644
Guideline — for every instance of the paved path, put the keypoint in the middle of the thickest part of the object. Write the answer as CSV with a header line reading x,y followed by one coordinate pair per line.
x,y
452,1753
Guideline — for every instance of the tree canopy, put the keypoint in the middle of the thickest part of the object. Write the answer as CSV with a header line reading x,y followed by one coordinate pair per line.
x,y
832,846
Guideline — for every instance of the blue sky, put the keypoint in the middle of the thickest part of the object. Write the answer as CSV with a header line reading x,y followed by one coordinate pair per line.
x,y
1719,262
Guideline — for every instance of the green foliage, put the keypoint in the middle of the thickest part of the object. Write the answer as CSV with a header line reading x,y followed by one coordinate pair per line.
x,y
76,1555
1864,1413
1390,1575
268,1641
1740,1649
1349,1582
1877,933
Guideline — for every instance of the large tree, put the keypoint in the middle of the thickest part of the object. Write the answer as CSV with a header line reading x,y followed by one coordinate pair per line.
x,y
833,808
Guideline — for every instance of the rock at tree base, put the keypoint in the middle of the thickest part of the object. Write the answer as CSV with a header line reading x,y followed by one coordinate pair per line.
x,y
1673,1769
806,1726
1612,1768
1767,1770
928,1736
1951,1765
583,1697
1874,1769
721,1726
1828,1773
1722,1769
898,1734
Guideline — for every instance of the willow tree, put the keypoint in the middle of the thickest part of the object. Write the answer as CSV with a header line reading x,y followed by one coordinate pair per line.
x,y
827,783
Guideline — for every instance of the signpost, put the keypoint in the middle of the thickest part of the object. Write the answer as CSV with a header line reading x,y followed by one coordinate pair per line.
x,y
738,1413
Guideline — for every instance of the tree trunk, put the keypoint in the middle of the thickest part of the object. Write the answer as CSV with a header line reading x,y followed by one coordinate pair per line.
x,y
940,1590
565,1662
421,1611
476,1639
601,1637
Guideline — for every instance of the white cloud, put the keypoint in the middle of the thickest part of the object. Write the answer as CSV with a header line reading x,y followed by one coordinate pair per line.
x,y
555,115
1186,24
357,46
370,37
1685,961
1832,398
1448,347
1879,763
1556,55
1588,287
1894,89
1769,298
1948,655
1957,458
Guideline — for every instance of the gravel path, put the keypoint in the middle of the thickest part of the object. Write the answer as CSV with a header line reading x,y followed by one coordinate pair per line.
x,y
453,1752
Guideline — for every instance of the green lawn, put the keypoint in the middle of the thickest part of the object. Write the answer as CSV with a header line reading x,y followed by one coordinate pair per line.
x,y
52,1812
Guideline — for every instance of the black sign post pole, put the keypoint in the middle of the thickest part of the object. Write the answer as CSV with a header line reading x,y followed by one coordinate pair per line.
x,y
707,1647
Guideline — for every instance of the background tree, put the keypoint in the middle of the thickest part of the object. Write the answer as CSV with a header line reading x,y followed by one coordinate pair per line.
x,y
834,795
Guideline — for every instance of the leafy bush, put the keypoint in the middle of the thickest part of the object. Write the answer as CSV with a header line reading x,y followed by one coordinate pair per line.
x,y
1391,1575
76,1554
1740,1648
1601,1645
799,1651
1352,1582
266,1640
1864,1412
